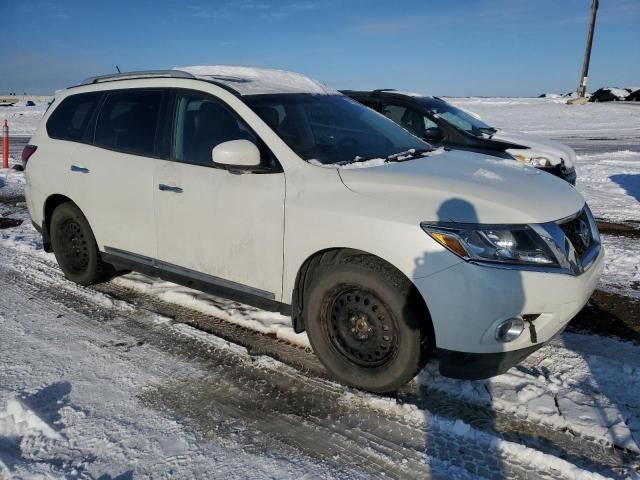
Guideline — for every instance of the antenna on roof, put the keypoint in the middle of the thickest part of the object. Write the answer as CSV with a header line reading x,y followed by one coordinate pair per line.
x,y
118,69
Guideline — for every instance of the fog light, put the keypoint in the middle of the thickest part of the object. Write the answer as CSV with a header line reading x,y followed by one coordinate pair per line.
x,y
509,330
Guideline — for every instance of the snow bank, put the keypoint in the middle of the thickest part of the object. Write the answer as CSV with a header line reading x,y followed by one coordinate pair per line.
x,y
16,420
249,317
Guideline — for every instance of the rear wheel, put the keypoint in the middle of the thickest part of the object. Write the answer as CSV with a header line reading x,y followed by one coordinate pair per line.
x,y
366,322
75,246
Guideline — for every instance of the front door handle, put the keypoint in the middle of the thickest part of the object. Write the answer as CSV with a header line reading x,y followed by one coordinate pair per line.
x,y
77,168
169,188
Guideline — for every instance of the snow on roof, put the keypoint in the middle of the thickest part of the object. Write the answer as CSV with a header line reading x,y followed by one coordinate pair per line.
x,y
254,81
618,92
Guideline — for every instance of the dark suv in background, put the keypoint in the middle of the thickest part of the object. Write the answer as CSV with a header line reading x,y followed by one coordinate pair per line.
x,y
443,124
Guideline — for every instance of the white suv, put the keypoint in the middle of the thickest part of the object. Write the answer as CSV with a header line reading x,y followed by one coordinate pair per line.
x,y
268,188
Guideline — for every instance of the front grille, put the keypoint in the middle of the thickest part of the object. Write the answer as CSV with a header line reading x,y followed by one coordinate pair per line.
x,y
578,232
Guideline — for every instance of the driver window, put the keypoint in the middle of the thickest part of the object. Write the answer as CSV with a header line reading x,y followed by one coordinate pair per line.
x,y
411,120
202,123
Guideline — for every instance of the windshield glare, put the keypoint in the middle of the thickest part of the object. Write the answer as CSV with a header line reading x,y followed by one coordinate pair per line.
x,y
332,128
459,118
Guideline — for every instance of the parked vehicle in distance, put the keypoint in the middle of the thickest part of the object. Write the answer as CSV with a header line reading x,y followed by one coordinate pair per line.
x,y
609,94
574,94
441,123
30,103
633,96
388,254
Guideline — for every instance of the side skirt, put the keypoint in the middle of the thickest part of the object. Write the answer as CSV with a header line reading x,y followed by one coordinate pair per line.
x,y
220,287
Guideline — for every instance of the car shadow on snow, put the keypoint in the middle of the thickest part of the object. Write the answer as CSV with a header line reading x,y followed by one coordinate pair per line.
x,y
630,182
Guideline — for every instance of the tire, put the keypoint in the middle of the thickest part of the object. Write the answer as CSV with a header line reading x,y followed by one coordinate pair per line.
x,y
75,246
366,322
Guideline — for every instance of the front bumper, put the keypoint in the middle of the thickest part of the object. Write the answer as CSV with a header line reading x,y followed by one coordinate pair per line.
x,y
468,301
475,366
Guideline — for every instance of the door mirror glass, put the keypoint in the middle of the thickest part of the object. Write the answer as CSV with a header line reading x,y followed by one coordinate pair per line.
x,y
432,135
236,153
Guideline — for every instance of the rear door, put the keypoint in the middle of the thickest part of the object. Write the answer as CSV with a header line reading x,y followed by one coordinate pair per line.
x,y
221,223
70,125
117,170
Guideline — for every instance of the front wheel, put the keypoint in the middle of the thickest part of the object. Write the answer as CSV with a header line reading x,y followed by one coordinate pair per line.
x,y
366,323
75,246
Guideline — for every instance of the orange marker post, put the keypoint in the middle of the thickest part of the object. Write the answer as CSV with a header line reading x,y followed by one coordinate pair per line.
x,y
5,144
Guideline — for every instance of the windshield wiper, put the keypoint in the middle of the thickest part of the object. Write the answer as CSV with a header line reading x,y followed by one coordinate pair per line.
x,y
394,157
408,154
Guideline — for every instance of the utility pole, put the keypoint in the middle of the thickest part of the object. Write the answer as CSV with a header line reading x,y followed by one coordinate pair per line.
x,y
582,88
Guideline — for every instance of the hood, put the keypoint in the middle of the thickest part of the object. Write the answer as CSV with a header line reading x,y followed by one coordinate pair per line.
x,y
460,186
538,146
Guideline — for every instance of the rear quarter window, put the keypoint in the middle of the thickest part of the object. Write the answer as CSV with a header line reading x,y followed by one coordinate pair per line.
x,y
70,120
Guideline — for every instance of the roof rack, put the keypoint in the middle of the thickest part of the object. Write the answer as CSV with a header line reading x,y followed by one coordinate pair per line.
x,y
135,75
114,77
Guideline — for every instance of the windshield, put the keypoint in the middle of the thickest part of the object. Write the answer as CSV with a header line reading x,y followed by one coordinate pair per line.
x,y
332,128
458,118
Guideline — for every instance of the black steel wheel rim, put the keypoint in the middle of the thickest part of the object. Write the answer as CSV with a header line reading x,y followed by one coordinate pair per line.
x,y
361,327
75,248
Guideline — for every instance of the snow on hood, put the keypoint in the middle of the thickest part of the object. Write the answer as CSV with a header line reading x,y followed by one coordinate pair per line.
x,y
460,186
538,146
254,81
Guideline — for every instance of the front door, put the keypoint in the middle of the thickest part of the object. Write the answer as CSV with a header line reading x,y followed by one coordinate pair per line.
x,y
225,224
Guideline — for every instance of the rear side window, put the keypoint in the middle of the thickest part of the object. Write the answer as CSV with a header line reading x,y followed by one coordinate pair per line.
x,y
128,122
69,121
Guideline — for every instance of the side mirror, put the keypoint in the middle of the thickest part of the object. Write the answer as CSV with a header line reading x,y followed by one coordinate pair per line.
x,y
432,135
236,155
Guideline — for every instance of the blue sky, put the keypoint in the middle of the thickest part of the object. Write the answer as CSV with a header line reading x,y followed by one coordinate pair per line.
x,y
442,47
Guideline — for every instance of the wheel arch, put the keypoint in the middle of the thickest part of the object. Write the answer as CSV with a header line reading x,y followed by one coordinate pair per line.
x,y
51,203
303,277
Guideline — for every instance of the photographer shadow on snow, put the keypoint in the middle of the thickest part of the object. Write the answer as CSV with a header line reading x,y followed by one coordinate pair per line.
x,y
470,430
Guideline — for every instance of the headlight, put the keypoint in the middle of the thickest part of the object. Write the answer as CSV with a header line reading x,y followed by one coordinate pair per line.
x,y
538,162
514,244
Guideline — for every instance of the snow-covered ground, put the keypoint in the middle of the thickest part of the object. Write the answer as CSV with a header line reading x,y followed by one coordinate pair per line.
x,y
23,120
605,135
553,118
72,382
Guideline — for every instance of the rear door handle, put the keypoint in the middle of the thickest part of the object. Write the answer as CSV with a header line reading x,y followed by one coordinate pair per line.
x,y
77,168
169,188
